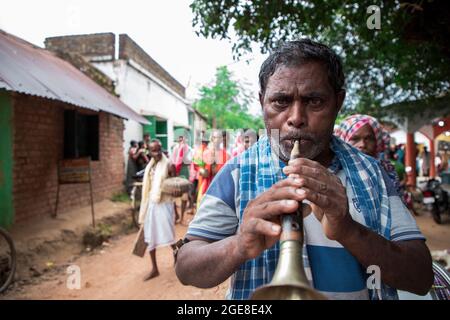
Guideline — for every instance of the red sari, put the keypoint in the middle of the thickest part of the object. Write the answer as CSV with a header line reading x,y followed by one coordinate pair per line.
x,y
213,161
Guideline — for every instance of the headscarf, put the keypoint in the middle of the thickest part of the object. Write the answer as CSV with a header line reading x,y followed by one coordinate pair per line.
x,y
350,125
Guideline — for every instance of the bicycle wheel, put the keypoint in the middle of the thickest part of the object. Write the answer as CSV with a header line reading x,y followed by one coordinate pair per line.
x,y
7,260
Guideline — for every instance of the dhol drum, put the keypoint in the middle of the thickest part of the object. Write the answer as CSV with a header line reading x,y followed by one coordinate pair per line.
x,y
175,186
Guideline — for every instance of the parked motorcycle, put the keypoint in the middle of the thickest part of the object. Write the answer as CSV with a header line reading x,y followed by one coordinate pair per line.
x,y
435,199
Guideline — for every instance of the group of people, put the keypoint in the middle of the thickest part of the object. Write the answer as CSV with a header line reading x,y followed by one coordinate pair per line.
x,y
138,158
158,212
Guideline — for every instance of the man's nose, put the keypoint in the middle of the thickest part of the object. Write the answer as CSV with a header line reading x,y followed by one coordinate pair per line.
x,y
297,115
361,144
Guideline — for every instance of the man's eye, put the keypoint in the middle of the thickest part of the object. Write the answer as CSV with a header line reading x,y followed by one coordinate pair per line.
x,y
315,101
281,102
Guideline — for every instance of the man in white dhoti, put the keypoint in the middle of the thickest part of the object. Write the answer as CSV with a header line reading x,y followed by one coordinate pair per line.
x,y
157,211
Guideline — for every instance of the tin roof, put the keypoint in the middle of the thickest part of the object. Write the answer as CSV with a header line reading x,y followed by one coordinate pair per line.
x,y
28,69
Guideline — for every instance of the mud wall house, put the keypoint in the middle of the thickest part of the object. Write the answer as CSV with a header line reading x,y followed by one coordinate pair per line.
x,y
140,82
49,111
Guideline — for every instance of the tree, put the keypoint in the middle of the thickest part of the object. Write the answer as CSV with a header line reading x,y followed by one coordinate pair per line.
x,y
407,59
225,103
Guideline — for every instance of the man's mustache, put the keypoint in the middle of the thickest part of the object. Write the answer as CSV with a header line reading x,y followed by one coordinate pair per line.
x,y
297,136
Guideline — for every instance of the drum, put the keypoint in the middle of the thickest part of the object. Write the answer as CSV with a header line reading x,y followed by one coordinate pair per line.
x,y
175,186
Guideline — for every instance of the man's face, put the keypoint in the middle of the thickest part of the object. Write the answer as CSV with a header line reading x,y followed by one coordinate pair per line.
x,y
246,142
300,102
155,151
364,140
216,138
180,139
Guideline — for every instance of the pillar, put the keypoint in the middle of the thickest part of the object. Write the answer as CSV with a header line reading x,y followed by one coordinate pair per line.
x,y
410,158
432,156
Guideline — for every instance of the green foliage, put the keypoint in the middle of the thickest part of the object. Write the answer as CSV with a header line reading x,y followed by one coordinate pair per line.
x,y
120,197
93,238
407,59
225,104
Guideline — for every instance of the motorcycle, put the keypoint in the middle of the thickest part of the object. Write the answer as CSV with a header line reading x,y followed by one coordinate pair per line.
x,y
435,199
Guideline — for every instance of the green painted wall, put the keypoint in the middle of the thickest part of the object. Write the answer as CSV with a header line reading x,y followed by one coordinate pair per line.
x,y
6,160
158,130
182,131
150,128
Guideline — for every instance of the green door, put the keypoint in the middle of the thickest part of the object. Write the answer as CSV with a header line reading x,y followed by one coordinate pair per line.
x,y
157,130
161,132
6,160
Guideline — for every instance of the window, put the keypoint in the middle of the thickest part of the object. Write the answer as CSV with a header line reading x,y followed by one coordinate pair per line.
x,y
81,138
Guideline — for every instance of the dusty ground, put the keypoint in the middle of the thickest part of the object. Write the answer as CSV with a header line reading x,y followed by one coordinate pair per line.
x,y
438,236
111,272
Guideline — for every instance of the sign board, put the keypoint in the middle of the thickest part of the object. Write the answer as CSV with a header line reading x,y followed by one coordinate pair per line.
x,y
74,171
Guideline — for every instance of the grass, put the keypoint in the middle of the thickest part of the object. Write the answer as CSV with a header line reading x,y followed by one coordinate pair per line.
x,y
121,197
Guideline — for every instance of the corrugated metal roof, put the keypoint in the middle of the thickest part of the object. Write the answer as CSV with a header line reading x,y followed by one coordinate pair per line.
x,y
28,69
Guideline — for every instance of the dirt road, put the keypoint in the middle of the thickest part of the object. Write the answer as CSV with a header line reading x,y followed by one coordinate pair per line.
x,y
113,273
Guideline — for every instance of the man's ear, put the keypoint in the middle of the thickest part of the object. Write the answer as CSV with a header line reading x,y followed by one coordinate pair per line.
x,y
340,96
261,100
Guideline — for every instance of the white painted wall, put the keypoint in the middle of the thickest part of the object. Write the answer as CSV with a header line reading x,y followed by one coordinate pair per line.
x,y
400,137
145,93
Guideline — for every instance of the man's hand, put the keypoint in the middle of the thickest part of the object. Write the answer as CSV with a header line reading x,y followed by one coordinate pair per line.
x,y
260,228
326,193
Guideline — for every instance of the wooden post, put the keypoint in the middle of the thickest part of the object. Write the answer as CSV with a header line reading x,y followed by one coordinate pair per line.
x,y
92,197
57,199
410,158
432,156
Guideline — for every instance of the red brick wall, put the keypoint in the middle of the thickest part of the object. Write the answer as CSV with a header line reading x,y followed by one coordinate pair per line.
x,y
38,145
87,45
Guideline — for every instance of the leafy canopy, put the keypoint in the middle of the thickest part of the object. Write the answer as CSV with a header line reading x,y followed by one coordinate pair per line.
x,y
225,103
407,59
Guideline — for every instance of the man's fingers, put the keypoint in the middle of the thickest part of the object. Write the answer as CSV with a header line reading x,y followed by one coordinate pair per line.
x,y
272,209
306,162
316,198
302,170
287,190
263,227
289,182
315,185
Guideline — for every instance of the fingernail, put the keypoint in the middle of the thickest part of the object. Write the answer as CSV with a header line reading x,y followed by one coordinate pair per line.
x,y
276,228
298,180
289,202
300,191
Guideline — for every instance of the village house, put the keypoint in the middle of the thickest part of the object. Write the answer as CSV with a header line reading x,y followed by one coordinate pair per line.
x,y
141,83
50,111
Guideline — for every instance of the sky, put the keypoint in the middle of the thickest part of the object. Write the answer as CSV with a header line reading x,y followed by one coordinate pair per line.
x,y
163,28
